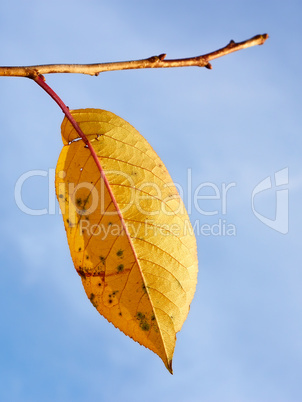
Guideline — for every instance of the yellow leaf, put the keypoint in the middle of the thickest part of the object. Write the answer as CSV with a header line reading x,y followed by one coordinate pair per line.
x,y
129,234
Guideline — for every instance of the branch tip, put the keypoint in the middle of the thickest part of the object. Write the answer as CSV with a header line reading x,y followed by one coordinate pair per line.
x,y
264,38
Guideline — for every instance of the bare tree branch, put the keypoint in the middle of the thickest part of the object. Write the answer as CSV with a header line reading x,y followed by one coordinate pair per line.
x,y
152,62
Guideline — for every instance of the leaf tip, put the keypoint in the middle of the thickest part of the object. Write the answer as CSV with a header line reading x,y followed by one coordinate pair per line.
x,y
169,366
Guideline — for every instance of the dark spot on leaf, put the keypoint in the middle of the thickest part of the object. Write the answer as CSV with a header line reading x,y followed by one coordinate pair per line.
x,y
61,196
144,288
91,298
103,259
143,321
120,314
110,301
79,201
81,272
87,257
120,253
109,223
80,249
120,268
70,224
99,284
145,326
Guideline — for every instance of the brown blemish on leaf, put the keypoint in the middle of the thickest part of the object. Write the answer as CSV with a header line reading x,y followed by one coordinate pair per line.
x,y
140,315
70,224
120,268
81,272
92,299
145,326
143,321
120,253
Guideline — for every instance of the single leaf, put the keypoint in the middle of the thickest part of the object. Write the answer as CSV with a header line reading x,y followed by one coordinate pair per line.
x,y
129,234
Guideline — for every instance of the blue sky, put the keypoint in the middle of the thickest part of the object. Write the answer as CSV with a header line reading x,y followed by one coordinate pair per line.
x,y
238,124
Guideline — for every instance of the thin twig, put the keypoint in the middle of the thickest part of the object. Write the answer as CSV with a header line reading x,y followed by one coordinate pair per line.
x,y
151,62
